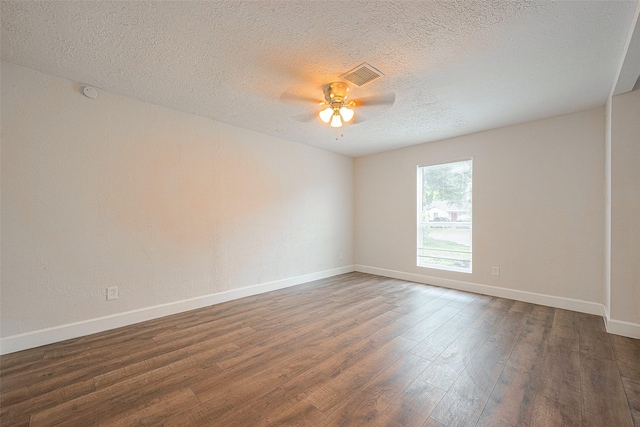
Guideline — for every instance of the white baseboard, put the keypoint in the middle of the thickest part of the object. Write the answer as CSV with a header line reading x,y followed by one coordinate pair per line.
x,y
40,337
620,327
531,297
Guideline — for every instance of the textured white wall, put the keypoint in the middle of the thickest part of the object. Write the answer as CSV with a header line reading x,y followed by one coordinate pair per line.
x,y
163,204
538,197
625,208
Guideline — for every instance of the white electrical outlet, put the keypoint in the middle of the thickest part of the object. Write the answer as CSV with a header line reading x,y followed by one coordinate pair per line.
x,y
112,293
341,255
495,271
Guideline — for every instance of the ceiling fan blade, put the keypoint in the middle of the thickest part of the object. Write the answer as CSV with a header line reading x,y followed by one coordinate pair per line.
x,y
385,99
358,118
307,117
290,97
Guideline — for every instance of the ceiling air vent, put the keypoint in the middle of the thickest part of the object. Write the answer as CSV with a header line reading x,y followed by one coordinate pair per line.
x,y
362,74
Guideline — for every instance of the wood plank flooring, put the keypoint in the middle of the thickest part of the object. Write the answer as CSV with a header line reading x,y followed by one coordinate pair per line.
x,y
352,350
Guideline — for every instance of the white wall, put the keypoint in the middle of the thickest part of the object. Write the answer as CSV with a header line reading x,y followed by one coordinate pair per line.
x,y
170,206
165,205
538,197
607,210
625,211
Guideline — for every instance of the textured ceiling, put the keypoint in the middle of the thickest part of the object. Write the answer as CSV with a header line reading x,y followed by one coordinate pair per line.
x,y
455,67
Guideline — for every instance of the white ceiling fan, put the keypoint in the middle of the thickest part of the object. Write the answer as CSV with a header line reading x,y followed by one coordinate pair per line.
x,y
338,107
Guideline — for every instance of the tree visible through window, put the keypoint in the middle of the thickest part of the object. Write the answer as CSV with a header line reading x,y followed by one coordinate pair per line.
x,y
444,216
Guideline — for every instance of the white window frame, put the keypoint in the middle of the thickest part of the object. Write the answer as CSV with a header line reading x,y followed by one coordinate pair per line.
x,y
420,223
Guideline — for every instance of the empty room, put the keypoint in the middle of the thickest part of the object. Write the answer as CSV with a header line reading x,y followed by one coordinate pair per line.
x,y
305,213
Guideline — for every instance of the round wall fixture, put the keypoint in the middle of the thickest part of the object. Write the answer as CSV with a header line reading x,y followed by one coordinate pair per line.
x,y
90,92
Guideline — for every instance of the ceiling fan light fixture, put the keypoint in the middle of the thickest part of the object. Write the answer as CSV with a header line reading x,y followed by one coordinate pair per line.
x,y
325,115
346,113
336,121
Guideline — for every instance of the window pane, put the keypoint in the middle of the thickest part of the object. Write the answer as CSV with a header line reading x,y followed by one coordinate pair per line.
x,y
444,216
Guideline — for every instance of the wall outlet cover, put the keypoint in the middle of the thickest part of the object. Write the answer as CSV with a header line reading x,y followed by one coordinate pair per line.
x,y
112,293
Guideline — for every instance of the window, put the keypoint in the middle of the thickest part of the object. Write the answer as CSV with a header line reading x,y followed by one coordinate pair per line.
x,y
444,216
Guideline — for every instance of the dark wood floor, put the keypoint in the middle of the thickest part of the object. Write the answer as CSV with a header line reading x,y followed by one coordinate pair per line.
x,y
352,350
